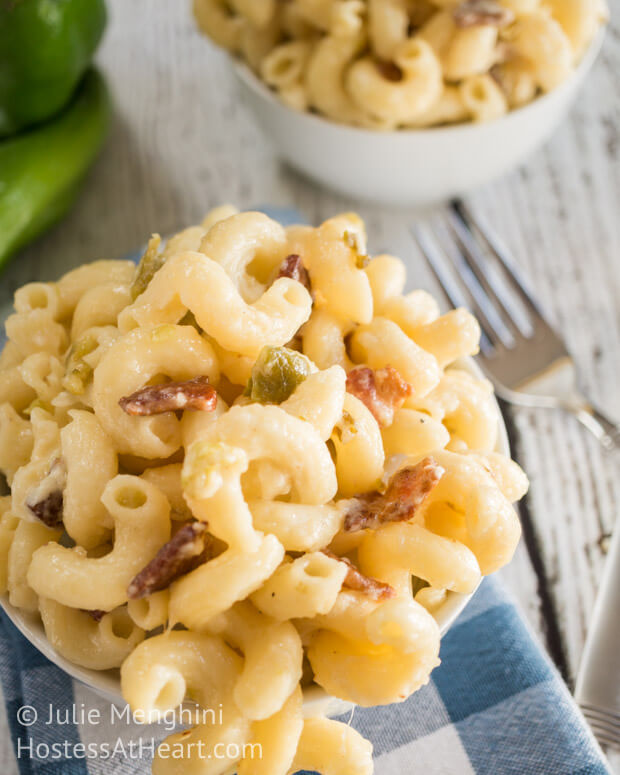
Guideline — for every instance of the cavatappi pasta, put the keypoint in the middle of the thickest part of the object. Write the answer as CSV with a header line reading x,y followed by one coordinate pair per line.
x,y
389,64
269,455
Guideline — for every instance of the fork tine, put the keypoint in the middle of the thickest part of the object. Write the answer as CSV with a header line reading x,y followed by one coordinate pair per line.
x,y
432,253
477,261
500,251
490,320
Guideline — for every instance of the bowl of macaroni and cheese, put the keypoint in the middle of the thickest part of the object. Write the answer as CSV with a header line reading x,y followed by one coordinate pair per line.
x,y
407,103
252,474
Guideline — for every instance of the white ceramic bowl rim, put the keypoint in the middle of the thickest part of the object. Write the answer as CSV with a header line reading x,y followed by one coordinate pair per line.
x,y
257,85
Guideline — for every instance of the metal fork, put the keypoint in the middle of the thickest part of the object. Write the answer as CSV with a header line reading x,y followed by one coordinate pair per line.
x,y
598,682
520,351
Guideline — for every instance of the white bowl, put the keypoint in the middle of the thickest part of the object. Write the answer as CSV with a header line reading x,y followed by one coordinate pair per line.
x,y
106,683
409,167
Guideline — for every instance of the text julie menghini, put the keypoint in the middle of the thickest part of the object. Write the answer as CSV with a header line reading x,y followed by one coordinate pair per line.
x,y
139,748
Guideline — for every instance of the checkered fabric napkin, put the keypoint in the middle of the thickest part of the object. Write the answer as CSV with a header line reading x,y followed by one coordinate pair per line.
x,y
495,706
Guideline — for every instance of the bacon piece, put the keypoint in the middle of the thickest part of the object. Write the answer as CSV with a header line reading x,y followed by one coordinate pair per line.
x,y
478,13
45,500
48,510
355,579
382,391
405,494
187,549
293,267
194,394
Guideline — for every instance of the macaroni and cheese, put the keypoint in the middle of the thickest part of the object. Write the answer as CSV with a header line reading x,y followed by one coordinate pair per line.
x,y
262,465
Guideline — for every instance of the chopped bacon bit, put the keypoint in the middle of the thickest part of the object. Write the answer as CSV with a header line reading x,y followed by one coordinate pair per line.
x,y
45,500
194,394
389,70
96,613
391,387
293,267
356,580
405,494
382,391
49,510
477,13
187,549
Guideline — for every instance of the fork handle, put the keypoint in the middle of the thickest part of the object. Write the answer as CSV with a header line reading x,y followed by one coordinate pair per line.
x,y
598,680
605,430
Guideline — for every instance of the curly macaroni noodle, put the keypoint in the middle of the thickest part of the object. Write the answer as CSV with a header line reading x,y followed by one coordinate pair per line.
x,y
80,638
253,463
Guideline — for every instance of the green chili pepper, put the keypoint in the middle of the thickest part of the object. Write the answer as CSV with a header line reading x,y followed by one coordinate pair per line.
x,y
151,262
79,372
45,49
276,374
41,170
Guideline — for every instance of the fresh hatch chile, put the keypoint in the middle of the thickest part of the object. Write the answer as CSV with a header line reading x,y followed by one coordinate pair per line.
x,y
54,111
41,170
46,47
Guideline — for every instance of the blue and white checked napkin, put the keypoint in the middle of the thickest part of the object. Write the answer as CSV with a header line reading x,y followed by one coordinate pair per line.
x,y
495,706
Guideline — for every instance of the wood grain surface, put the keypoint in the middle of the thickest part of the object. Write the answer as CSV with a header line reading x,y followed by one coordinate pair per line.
x,y
182,143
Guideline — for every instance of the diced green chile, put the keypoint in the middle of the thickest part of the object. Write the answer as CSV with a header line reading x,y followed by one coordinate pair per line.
x,y
276,374
361,259
42,170
79,372
150,263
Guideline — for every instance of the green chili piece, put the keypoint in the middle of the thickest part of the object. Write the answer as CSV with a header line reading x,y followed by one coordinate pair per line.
x,y
276,374
151,262
361,259
79,372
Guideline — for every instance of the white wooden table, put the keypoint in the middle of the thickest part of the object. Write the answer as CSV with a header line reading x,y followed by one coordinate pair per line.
x,y
182,143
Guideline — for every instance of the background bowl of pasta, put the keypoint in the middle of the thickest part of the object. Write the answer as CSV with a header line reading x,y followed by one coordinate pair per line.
x,y
407,103
408,167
